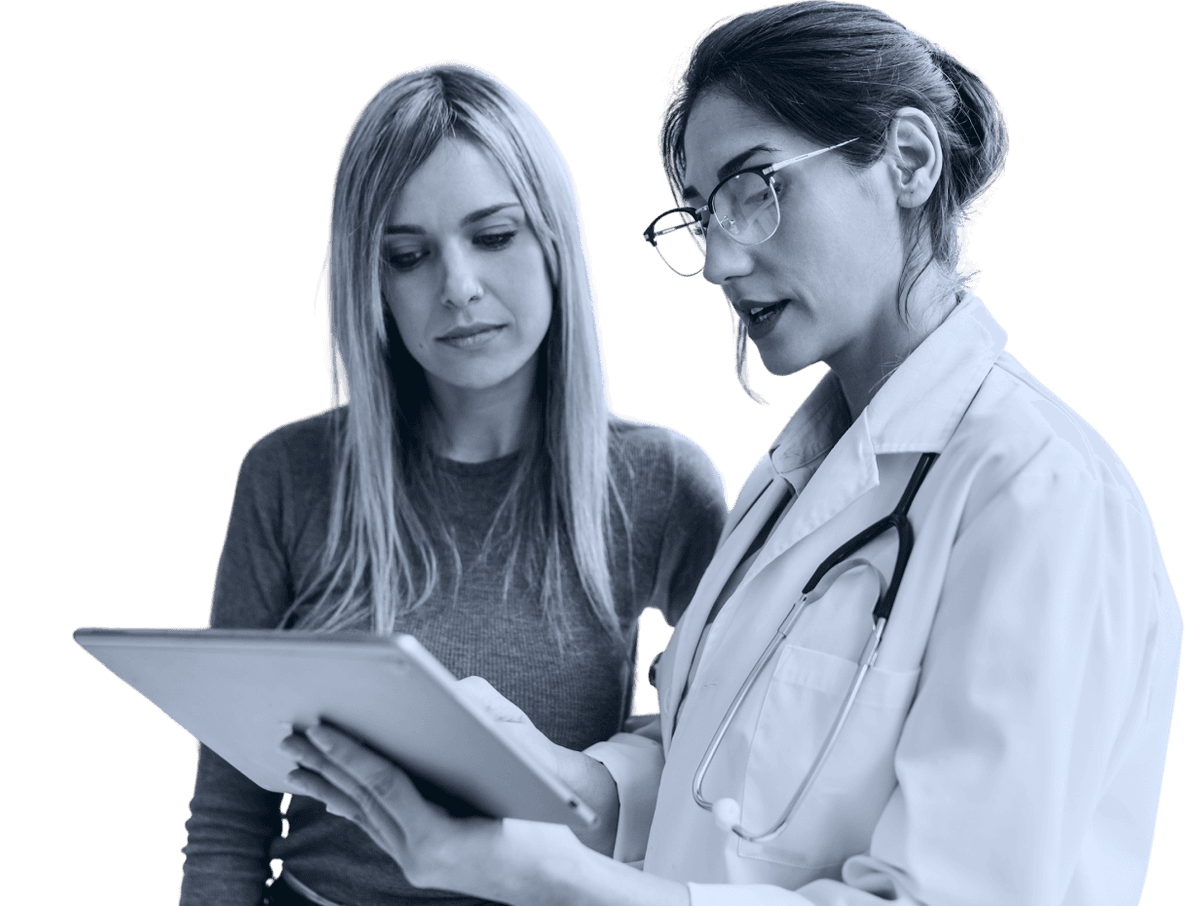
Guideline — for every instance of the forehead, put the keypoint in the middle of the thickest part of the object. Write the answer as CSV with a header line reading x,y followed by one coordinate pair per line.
x,y
720,128
458,178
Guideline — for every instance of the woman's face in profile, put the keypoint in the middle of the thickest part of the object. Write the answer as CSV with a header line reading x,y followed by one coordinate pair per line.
x,y
465,279
826,281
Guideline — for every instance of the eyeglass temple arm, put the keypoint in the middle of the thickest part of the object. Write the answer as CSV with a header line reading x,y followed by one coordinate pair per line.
x,y
774,168
649,233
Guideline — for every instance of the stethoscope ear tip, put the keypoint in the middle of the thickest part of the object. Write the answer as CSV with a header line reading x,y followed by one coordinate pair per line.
x,y
726,814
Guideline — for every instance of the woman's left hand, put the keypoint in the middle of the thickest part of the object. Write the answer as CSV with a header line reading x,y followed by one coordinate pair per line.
x,y
478,856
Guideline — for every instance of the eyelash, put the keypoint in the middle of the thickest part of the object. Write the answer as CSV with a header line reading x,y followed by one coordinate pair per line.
x,y
495,241
490,242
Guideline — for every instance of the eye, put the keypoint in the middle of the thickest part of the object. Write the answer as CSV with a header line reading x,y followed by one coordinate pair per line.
x,y
494,240
405,259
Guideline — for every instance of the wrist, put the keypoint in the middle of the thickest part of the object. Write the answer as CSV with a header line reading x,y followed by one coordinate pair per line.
x,y
558,869
537,864
595,786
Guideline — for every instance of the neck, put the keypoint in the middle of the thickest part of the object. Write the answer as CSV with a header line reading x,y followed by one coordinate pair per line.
x,y
865,366
475,425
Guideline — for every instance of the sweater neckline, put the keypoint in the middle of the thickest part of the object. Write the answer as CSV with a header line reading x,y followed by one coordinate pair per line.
x,y
486,469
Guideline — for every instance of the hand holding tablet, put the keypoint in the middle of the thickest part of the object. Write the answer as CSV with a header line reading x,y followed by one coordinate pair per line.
x,y
242,692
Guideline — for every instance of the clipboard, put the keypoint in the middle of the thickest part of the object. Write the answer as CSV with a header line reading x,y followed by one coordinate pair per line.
x,y
241,691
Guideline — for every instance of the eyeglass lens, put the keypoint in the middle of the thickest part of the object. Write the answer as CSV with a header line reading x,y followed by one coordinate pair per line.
x,y
679,239
744,205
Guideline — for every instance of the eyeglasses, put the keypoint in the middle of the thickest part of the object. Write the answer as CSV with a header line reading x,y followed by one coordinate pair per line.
x,y
744,204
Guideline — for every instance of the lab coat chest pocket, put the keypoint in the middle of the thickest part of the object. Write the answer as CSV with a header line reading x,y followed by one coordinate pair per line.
x,y
837,817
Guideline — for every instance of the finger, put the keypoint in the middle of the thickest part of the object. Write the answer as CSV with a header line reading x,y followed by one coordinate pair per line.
x,y
342,794
309,756
390,803
308,783
483,694
367,770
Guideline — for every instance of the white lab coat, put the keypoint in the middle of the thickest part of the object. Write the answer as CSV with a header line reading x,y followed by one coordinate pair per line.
x,y
1008,745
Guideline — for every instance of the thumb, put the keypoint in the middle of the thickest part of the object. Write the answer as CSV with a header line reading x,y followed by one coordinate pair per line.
x,y
482,694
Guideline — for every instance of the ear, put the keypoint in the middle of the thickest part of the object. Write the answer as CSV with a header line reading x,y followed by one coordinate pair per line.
x,y
914,155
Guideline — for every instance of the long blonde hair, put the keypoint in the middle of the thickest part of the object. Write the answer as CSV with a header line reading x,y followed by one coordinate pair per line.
x,y
379,560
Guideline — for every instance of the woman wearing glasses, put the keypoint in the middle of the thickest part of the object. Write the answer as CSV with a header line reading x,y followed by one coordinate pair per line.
x,y
475,492
934,656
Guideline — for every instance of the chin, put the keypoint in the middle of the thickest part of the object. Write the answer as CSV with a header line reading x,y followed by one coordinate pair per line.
x,y
781,362
479,377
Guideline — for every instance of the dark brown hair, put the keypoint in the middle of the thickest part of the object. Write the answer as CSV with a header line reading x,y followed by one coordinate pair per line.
x,y
838,71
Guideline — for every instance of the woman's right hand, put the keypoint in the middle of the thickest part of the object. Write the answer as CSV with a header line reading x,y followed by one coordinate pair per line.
x,y
582,773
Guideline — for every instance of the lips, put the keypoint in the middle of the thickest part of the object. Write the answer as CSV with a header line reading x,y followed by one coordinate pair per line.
x,y
466,335
467,330
759,317
758,313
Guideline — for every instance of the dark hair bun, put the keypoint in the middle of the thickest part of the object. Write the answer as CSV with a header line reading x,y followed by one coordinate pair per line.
x,y
837,71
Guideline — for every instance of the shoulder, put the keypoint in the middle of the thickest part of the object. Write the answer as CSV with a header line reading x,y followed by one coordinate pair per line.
x,y
646,458
1014,417
674,507
306,436
1033,480
1016,434
297,456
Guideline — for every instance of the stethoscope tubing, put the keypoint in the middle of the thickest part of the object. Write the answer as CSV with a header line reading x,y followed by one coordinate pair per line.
x,y
898,520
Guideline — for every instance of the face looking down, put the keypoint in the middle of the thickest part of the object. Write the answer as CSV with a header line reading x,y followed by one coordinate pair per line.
x,y
824,286
464,277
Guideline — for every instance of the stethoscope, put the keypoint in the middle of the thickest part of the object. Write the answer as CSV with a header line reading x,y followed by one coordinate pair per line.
x,y
726,811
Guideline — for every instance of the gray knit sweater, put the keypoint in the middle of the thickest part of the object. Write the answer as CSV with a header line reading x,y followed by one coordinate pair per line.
x,y
577,696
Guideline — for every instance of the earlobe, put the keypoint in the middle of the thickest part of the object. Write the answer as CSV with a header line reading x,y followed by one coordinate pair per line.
x,y
916,153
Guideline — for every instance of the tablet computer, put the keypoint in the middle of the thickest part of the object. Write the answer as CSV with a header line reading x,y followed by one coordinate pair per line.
x,y
241,691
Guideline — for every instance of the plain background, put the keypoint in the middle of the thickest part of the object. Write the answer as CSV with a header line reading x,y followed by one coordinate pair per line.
x,y
166,182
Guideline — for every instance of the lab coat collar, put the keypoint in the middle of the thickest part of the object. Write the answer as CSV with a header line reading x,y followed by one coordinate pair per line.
x,y
921,404
917,408
916,411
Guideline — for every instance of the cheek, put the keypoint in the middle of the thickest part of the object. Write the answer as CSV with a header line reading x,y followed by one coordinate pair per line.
x,y
408,313
841,247
532,296
541,311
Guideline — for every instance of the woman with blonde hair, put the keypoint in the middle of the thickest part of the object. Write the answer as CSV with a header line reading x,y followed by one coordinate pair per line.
x,y
474,492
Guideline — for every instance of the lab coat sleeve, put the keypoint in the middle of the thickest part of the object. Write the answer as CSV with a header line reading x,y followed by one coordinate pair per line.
x,y
635,761
1030,762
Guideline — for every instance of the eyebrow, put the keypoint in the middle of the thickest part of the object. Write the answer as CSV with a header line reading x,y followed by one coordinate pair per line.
x,y
473,217
730,167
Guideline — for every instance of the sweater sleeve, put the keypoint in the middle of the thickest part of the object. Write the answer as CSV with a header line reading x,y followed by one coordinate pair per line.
x,y
234,820
229,836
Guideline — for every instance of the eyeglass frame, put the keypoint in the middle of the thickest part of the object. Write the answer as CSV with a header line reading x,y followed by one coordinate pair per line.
x,y
765,171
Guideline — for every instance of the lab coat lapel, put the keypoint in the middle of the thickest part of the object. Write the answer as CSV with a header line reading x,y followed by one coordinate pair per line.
x,y
804,442
726,559
756,484
849,471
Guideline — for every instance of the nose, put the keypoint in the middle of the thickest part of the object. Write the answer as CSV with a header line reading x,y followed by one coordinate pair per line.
x,y
724,258
462,284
